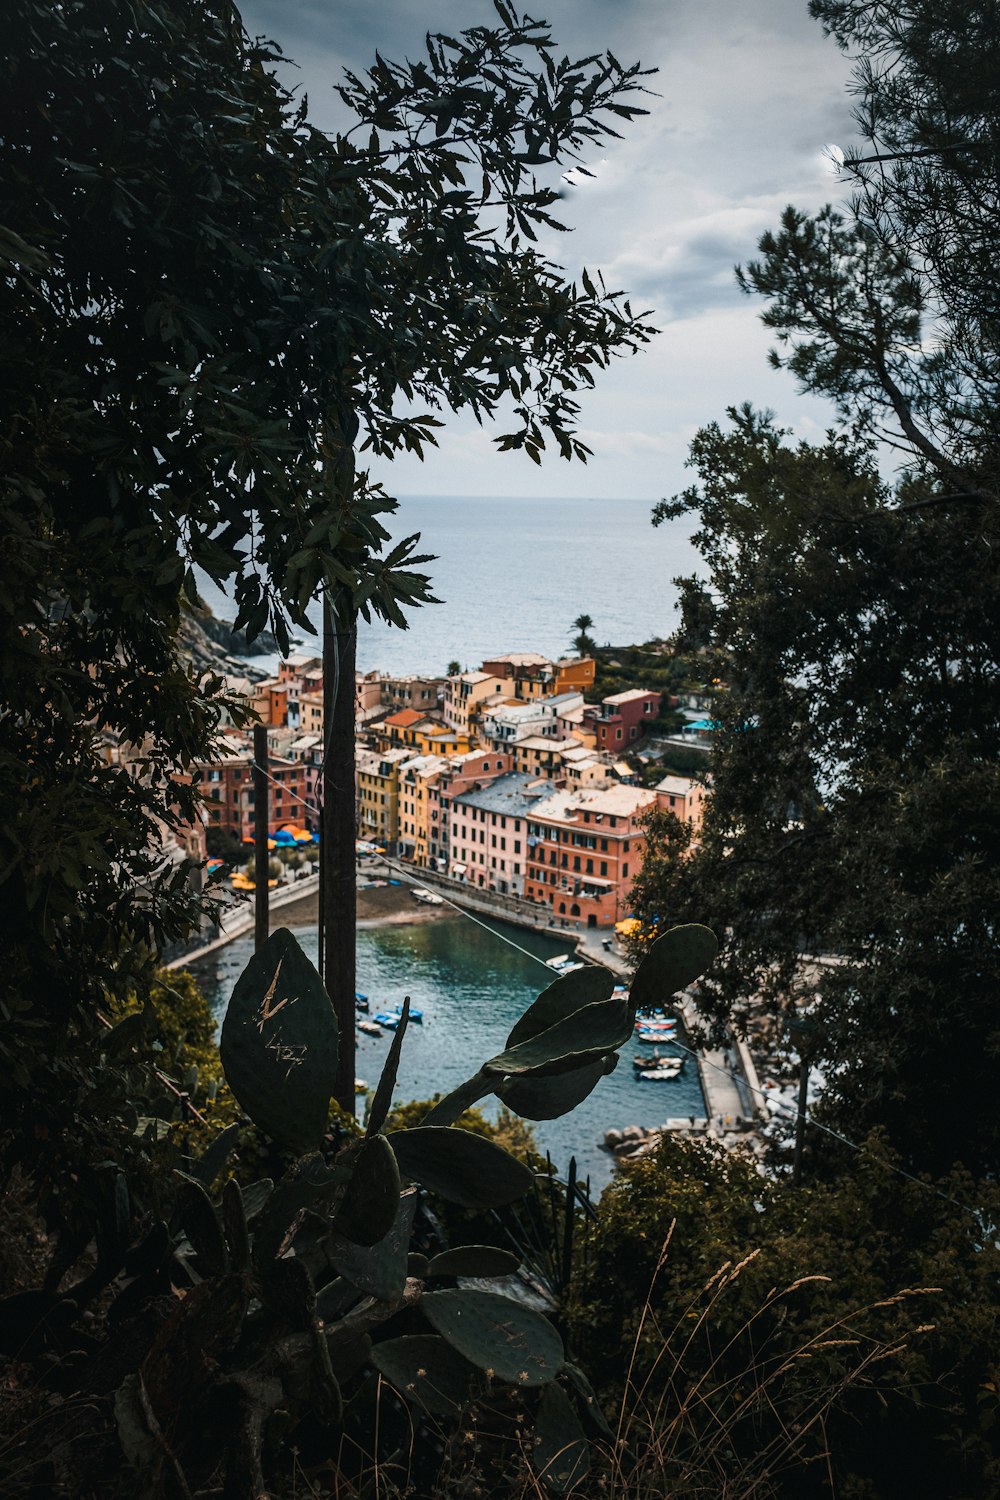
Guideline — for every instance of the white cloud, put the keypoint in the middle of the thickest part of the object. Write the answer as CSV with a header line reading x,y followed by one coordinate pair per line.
x,y
748,95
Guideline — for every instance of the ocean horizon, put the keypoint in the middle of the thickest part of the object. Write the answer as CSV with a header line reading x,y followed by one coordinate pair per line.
x,y
513,573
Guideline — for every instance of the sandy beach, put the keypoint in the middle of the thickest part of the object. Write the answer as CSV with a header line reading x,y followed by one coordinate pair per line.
x,y
383,906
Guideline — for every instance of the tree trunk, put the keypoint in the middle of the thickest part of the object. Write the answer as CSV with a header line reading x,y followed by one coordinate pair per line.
x,y
338,888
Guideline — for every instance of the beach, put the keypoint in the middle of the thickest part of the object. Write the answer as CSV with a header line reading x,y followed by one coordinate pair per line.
x,y
378,906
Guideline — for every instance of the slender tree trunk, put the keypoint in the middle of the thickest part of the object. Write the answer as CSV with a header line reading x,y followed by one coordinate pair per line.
x,y
261,818
337,882
338,887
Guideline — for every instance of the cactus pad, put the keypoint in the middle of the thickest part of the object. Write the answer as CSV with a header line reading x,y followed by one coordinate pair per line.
x,y
497,1334
279,1044
462,1167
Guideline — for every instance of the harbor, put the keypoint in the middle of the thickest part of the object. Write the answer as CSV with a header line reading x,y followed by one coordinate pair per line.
x,y
471,980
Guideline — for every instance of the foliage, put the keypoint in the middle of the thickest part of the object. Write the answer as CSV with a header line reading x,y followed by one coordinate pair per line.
x,y
891,309
765,1334
221,1315
854,809
854,813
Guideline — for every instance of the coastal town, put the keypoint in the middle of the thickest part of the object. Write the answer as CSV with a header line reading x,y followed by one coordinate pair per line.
x,y
504,782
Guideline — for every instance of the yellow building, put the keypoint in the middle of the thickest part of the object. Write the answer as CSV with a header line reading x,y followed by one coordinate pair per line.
x,y
377,775
464,697
416,777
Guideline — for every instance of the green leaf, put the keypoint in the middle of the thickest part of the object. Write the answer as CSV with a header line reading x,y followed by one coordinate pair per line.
x,y
562,1453
371,1199
279,1044
497,1334
387,1082
201,1225
424,1368
673,962
474,1260
563,997
548,1098
380,1269
582,1037
590,1407
463,1168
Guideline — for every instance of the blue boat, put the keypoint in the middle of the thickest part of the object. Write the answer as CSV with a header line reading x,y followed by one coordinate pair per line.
x,y
388,1018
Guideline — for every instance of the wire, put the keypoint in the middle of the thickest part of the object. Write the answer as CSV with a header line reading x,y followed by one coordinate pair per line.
x,y
796,1115
703,1061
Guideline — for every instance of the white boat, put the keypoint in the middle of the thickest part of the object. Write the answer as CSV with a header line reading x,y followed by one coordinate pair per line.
x,y
429,898
661,1074
559,961
370,1028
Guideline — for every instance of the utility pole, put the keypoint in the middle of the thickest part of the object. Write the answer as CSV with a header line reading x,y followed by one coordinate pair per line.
x,y
261,819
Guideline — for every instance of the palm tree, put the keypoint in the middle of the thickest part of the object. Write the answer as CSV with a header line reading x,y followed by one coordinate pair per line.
x,y
584,643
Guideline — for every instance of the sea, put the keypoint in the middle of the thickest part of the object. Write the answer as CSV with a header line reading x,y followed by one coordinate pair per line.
x,y
472,982
513,574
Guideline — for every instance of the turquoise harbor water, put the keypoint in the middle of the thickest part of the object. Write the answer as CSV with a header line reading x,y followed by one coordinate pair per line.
x,y
472,987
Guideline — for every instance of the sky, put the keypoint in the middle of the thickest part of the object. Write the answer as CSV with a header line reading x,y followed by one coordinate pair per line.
x,y
749,94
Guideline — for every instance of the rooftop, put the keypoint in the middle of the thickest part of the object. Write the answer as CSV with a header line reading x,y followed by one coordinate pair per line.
x,y
404,719
514,794
677,786
631,695
610,801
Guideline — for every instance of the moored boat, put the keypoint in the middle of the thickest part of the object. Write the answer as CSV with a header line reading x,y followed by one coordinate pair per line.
x,y
370,1028
659,1075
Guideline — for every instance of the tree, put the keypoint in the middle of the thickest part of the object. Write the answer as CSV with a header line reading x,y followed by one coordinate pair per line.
x,y
854,811
584,643
207,304
890,310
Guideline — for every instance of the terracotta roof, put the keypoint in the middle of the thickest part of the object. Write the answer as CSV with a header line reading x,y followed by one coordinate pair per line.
x,y
405,718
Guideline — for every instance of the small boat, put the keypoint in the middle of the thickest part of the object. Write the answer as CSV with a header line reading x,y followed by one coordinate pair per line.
x,y
658,1060
429,898
388,1018
667,1027
559,961
361,1002
656,1036
370,1028
659,1075
360,1087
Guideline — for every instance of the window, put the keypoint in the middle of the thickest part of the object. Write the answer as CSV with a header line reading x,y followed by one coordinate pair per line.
x,y
604,867
503,822
493,841
590,867
576,861
625,846
604,845
517,825
517,846
624,872
503,843
618,734
517,869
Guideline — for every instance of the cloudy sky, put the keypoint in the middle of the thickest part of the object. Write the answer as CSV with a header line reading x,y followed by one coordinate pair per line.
x,y
749,94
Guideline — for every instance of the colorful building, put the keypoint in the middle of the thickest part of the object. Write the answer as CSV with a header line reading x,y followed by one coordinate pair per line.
x,y
466,695
585,849
377,774
685,798
489,832
622,718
